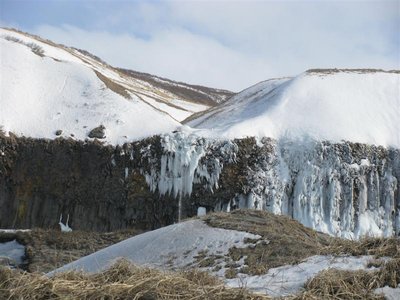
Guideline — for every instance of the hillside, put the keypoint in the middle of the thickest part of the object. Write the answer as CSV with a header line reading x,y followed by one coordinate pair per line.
x,y
353,105
47,88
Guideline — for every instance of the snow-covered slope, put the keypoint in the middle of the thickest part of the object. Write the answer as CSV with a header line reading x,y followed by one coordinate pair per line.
x,y
47,87
355,105
175,245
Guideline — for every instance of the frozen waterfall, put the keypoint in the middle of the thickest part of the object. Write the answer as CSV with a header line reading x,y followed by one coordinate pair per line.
x,y
343,189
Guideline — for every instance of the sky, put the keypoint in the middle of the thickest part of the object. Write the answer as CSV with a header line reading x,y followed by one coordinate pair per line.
x,y
223,44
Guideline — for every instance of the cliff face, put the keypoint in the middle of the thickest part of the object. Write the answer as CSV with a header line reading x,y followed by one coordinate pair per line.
x,y
343,189
42,179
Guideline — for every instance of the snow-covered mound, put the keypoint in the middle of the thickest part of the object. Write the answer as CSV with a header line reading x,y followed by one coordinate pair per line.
x,y
47,87
354,105
175,246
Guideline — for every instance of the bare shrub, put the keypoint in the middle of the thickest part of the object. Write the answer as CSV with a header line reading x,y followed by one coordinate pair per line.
x,y
38,50
13,39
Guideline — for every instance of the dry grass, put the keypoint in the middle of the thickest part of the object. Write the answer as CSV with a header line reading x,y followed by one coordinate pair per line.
x,y
334,284
286,241
122,281
378,247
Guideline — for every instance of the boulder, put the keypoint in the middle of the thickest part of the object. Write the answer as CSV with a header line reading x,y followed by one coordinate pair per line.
x,y
98,132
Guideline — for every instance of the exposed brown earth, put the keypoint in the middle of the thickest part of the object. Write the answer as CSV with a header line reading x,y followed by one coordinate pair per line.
x,y
115,87
189,92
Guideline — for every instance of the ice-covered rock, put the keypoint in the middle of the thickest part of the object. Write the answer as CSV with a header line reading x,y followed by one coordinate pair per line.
x,y
181,163
344,189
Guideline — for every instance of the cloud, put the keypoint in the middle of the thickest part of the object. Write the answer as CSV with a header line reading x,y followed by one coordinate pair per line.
x,y
235,44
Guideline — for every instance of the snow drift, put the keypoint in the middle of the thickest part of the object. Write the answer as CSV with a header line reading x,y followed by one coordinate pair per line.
x,y
353,105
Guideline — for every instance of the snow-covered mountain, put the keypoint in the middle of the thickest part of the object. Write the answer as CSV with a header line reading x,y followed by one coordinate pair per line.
x,y
353,105
47,88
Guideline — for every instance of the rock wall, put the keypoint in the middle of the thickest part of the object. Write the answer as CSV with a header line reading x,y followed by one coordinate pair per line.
x,y
96,185
344,189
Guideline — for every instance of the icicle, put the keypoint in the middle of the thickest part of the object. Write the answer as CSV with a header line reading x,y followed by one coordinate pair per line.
x,y
64,227
181,164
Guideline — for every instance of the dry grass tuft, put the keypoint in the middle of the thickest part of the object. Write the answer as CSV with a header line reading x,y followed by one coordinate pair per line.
x,y
334,284
379,247
122,281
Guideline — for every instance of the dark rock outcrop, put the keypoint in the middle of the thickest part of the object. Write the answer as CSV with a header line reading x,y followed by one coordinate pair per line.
x,y
106,188
42,179
98,132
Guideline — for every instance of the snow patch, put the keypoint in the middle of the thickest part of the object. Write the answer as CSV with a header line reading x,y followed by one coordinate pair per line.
x,y
13,251
389,293
289,279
